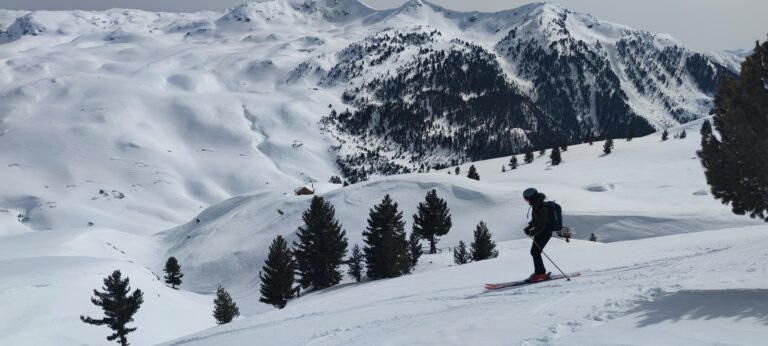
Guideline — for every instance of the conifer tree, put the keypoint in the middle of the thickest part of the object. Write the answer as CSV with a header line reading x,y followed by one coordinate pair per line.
x,y
682,134
224,308
414,249
528,157
457,170
608,146
513,162
592,237
735,164
386,249
321,246
555,156
460,254
432,219
483,247
472,174
173,272
664,135
277,275
503,168
355,263
119,306
630,134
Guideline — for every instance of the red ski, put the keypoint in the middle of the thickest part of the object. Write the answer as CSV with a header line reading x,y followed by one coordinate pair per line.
x,y
526,282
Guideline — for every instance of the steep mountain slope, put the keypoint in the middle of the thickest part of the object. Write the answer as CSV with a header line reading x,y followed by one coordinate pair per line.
x,y
147,117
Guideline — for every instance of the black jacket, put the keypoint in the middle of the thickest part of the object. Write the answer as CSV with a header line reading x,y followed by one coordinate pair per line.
x,y
540,215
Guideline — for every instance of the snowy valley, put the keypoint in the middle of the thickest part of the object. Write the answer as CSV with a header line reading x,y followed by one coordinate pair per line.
x,y
129,136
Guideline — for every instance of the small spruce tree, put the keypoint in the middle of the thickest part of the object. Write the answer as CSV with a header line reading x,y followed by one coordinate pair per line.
x,y
119,306
386,248
277,275
555,156
321,246
630,134
460,254
432,219
503,168
483,247
682,134
173,272
414,249
472,174
664,135
224,308
513,162
355,263
528,157
457,170
592,237
608,146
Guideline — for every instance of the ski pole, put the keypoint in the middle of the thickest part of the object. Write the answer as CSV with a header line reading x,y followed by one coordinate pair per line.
x,y
553,262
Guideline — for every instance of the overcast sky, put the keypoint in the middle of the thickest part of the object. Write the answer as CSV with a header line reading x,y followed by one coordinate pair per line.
x,y
699,24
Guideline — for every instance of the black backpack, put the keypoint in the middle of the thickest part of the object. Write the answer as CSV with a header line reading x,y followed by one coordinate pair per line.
x,y
556,223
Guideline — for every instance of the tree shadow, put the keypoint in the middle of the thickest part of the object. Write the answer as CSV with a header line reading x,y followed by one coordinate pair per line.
x,y
735,304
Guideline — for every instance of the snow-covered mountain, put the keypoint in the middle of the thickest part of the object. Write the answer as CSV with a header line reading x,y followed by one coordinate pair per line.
x,y
203,106
129,136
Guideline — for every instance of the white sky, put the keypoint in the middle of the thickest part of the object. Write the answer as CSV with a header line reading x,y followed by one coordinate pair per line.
x,y
700,24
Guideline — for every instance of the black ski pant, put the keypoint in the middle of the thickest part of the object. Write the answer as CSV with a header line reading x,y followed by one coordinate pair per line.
x,y
540,241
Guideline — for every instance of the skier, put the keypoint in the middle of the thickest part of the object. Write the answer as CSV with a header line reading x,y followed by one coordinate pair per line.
x,y
538,229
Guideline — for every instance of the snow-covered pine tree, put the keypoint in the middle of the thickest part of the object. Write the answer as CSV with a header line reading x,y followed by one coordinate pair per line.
x,y
321,246
386,249
355,263
608,146
457,170
472,174
414,249
277,275
682,134
432,218
173,272
664,135
460,254
555,156
735,164
119,306
224,308
528,157
483,247
513,162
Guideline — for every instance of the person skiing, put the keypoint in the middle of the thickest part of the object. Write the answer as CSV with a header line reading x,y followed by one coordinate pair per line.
x,y
538,229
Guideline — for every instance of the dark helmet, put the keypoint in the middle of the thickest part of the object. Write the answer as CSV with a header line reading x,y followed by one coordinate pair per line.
x,y
529,193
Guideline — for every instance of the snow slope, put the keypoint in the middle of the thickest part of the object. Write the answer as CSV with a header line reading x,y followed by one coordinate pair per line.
x,y
48,278
706,288
645,188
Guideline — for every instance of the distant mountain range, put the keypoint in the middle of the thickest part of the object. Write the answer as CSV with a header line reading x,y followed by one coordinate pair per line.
x,y
302,90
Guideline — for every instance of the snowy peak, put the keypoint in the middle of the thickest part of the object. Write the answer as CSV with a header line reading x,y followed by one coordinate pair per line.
x,y
301,10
